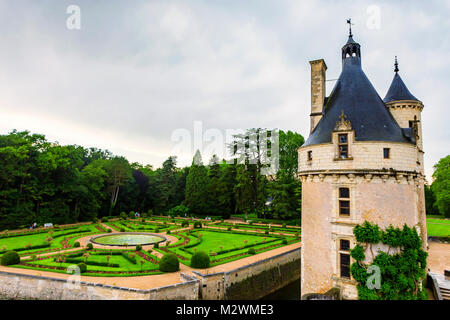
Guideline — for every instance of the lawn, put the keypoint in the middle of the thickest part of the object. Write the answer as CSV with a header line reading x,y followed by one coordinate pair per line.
x,y
218,241
225,246
438,227
259,227
99,262
36,239
438,230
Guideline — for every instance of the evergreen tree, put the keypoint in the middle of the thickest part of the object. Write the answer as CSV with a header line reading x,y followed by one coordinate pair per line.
x,y
244,191
430,201
166,186
225,198
196,197
285,193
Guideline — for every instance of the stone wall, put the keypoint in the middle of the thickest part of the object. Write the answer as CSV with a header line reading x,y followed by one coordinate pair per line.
x,y
252,281
382,201
367,155
30,287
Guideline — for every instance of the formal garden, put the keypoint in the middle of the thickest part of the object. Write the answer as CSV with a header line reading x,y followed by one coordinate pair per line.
x,y
130,246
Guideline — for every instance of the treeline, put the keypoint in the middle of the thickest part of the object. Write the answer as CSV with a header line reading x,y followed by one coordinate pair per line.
x,y
42,182
437,195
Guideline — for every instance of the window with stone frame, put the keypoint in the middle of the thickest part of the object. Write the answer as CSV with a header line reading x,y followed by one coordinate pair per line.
x,y
344,258
343,145
386,153
309,155
344,201
342,137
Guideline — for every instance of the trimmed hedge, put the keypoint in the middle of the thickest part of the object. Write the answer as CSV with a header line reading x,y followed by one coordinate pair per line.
x,y
200,260
38,246
185,224
93,263
130,258
10,258
27,233
83,267
197,225
76,244
89,246
107,253
169,263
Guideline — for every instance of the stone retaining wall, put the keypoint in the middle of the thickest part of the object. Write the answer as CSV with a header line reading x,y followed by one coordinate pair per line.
x,y
252,281
29,287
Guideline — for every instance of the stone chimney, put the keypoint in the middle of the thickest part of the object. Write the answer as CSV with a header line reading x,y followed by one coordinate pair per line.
x,y
318,71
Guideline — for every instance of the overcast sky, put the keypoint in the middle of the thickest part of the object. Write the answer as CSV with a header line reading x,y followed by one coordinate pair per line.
x,y
138,71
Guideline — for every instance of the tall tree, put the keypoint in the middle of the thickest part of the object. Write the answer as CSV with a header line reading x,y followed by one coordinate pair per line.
x,y
441,185
166,185
289,142
285,190
119,172
244,190
196,197
430,201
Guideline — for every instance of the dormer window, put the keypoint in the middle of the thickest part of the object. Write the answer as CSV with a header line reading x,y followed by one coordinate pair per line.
x,y
343,145
343,137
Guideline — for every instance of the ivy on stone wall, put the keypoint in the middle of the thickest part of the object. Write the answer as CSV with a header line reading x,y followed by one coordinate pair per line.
x,y
401,273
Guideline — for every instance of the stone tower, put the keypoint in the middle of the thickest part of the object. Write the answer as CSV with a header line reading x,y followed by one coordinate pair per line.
x,y
363,161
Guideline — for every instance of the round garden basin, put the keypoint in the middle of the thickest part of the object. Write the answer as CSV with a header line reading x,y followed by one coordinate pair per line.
x,y
127,239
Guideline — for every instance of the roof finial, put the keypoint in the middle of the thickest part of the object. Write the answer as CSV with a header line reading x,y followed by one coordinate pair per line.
x,y
396,65
349,21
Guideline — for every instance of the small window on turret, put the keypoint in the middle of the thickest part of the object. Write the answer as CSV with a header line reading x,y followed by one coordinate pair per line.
x,y
343,146
386,153
309,155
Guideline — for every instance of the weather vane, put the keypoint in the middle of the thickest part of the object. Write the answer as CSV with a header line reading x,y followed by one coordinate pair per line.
x,y
396,65
349,21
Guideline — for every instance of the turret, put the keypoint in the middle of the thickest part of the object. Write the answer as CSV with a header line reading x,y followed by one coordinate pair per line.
x,y
405,107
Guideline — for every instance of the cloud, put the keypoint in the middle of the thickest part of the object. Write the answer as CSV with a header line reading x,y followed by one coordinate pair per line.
x,y
139,70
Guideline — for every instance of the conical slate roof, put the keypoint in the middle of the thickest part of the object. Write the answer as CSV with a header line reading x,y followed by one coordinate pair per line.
x,y
398,91
354,94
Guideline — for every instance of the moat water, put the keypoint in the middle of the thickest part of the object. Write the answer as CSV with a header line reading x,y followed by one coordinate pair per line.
x,y
289,292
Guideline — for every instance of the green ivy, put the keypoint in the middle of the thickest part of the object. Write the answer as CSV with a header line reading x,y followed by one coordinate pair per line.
x,y
402,273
